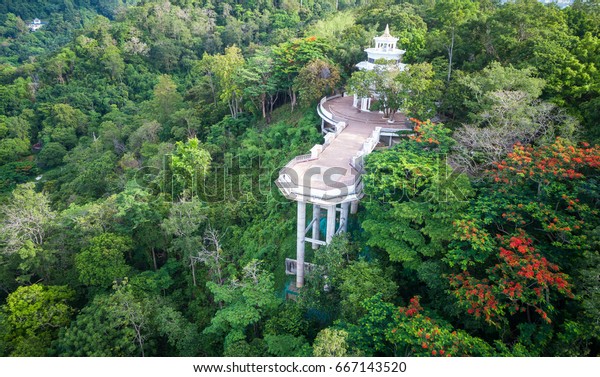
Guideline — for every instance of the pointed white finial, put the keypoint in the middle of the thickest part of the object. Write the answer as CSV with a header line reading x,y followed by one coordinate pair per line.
x,y
386,33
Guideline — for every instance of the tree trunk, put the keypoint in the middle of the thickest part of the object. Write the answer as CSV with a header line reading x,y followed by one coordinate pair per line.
x,y
450,53
154,259
292,95
272,101
212,89
193,271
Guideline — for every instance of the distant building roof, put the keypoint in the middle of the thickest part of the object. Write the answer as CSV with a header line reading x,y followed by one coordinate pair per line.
x,y
36,24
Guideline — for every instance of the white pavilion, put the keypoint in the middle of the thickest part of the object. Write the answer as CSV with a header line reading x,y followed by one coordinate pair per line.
x,y
35,25
385,48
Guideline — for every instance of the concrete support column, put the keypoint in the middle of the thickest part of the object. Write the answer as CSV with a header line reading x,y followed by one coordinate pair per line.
x,y
316,224
300,244
355,101
344,217
363,104
354,207
331,213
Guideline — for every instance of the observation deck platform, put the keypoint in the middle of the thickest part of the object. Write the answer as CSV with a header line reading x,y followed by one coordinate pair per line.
x,y
331,173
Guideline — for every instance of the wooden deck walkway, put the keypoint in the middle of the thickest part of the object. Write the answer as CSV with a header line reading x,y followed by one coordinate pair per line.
x,y
336,157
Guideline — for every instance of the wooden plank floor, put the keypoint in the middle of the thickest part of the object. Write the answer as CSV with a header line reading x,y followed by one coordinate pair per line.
x,y
360,126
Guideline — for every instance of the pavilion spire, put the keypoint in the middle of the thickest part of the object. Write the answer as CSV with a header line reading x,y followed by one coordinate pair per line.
x,y
386,33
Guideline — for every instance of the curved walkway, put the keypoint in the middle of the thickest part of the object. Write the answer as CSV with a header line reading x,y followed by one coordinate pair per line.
x,y
342,110
331,173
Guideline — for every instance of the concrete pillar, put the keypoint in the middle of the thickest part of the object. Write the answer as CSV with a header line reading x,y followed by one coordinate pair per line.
x,y
316,224
355,101
354,207
331,213
363,104
344,217
300,244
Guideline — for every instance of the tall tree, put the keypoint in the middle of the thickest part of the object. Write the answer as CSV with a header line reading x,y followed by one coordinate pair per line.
x,y
451,14
103,262
260,83
291,56
32,317
227,68
245,303
513,260
315,79
26,219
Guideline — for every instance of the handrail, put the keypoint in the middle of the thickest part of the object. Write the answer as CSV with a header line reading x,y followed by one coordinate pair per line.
x,y
291,266
323,113
347,181
303,157
347,185
357,161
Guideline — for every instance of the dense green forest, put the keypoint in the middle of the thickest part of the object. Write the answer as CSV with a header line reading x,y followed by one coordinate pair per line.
x,y
139,143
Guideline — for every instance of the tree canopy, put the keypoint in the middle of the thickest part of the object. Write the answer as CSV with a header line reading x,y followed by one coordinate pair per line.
x,y
140,142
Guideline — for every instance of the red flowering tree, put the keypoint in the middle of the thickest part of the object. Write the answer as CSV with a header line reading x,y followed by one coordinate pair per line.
x,y
410,331
520,279
420,335
521,240
429,135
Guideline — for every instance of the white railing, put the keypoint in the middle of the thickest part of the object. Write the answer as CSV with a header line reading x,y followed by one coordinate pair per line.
x,y
328,116
330,137
291,267
303,157
357,161
324,113
339,127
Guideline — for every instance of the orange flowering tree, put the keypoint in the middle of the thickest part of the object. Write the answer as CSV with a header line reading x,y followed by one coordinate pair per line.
x,y
515,250
410,331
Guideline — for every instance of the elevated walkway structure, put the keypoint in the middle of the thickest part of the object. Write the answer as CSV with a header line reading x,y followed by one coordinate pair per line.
x,y
330,177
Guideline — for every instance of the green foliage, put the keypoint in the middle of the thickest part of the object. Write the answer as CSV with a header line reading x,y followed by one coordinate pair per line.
x,y
315,79
103,261
25,219
361,280
420,91
287,346
362,83
52,155
142,110
331,343
291,57
289,320
245,302
414,197
15,173
14,139
100,329
189,164
32,317
410,331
